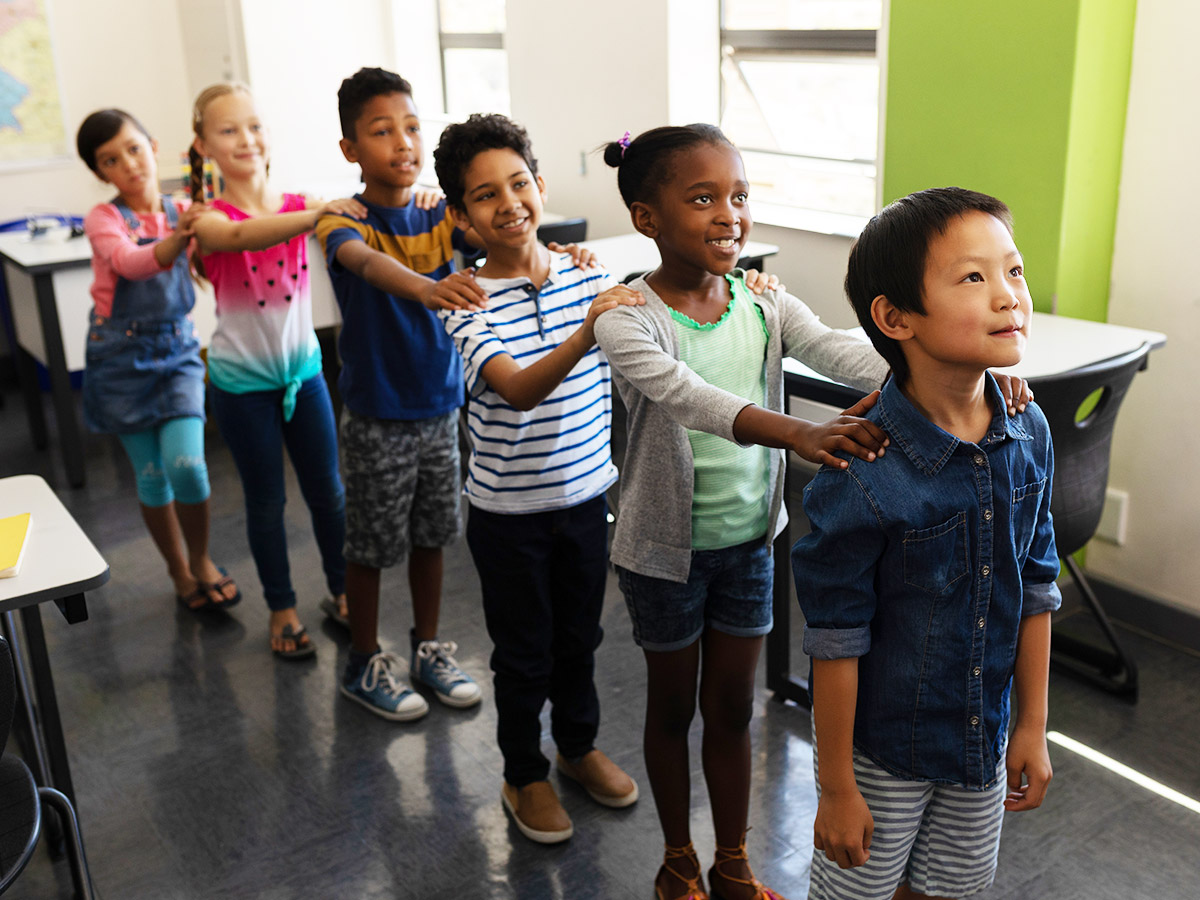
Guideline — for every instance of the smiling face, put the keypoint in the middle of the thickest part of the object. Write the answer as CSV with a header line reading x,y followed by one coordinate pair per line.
x,y
126,161
502,200
701,217
233,136
977,305
387,142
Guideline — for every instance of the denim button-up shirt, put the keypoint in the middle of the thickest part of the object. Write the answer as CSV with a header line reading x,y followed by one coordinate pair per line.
x,y
922,564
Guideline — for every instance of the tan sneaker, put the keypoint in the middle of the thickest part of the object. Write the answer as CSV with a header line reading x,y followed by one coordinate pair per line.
x,y
601,778
537,812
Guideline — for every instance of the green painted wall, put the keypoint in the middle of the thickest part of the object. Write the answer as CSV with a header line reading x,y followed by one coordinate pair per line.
x,y
1024,100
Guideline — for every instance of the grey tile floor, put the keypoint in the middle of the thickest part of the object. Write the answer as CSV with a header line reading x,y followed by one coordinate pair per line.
x,y
206,769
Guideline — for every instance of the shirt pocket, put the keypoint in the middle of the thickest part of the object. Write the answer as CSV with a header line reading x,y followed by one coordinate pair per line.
x,y
936,558
1026,501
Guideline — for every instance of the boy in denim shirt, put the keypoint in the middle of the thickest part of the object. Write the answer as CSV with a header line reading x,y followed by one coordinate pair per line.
x,y
927,581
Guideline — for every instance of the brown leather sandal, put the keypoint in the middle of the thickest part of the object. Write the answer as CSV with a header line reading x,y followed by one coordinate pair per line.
x,y
695,890
728,854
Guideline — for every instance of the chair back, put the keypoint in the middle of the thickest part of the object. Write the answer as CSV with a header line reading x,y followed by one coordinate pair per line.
x,y
1082,448
568,231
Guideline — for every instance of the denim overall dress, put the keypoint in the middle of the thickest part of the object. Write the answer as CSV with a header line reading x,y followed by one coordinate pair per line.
x,y
143,362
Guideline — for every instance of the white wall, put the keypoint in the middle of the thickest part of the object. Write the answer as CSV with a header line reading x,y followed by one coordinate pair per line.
x,y
1154,287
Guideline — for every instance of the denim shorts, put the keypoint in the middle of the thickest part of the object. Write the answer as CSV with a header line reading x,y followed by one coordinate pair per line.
x,y
729,589
402,486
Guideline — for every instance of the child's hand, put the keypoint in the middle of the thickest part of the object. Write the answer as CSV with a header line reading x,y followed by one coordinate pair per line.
x,y
345,206
1028,756
427,197
1015,389
848,432
843,828
760,281
581,256
186,224
458,290
620,295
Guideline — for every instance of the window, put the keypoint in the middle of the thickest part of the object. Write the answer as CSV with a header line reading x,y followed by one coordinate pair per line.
x,y
800,98
474,61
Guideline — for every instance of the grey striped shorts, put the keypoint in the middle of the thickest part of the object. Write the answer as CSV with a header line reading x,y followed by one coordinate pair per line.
x,y
941,838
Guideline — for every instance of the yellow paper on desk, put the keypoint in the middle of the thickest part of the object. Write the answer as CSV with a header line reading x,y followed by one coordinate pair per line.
x,y
14,532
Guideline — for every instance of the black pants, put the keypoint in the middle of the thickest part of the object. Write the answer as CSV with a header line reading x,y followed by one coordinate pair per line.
x,y
543,578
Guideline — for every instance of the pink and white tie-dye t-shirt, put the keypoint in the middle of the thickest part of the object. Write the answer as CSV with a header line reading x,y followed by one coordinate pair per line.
x,y
264,338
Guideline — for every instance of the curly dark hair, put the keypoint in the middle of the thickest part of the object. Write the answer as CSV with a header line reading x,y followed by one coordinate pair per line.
x,y
462,142
643,165
101,127
889,256
360,88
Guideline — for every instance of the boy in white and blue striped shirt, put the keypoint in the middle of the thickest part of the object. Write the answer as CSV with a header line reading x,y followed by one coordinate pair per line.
x,y
539,416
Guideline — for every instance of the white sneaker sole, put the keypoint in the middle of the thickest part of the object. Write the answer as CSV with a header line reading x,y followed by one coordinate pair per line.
x,y
541,837
400,715
456,702
604,799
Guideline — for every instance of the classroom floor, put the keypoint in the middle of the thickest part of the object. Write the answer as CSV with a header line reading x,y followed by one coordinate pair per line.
x,y
205,768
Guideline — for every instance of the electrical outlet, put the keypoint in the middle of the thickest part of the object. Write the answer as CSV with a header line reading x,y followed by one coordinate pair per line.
x,y
1113,518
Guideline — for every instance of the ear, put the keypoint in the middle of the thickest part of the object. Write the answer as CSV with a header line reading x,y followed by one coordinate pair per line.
x,y
890,320
541,183
198,146
643,219
349,150
153,147
459,216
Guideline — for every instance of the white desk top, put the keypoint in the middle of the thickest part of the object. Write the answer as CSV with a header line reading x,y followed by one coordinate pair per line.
x,y
53,247
1056,344
626,254
60,560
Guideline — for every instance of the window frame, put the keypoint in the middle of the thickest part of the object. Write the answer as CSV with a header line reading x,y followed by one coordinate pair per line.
x,y
461,40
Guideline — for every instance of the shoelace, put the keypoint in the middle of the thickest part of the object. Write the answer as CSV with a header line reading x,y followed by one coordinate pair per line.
x,y
379,668
441,656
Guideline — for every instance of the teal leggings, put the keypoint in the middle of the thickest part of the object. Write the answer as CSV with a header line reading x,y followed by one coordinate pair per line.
x,y
168,462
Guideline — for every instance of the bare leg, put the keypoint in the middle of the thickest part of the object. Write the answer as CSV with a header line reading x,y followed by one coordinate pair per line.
x,y
194,521
425,583
727,704
670,708
163,526
362,595
904,892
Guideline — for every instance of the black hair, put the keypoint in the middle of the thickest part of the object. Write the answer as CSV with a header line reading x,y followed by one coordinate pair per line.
x,y
889,256
98,129
643,165
462,142
360,88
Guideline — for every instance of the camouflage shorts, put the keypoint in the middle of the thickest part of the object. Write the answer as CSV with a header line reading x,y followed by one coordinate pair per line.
x,y
402,486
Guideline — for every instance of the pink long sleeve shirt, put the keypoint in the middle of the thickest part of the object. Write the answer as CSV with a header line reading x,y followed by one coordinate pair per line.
x,y
117,254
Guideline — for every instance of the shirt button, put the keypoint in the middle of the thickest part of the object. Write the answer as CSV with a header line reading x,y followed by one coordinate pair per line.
x,y
974,720
980,623
976,671
978,459
987,515
985,570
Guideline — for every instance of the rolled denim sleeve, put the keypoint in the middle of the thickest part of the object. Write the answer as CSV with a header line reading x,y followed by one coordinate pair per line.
x,y
834,566
1039,592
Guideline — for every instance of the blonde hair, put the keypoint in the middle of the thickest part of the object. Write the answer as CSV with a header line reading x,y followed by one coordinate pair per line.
x,y
196,173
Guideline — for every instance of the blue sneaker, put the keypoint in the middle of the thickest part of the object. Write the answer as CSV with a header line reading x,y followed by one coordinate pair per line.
x,y
377,689
434,667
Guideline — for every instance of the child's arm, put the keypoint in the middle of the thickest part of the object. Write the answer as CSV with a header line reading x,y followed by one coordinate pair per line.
x,y
815,441
844,824
1027,751
458,290
526,387
218,233
110,240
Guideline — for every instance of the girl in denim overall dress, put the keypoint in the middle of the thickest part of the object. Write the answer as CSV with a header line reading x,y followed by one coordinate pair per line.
x,y
144,379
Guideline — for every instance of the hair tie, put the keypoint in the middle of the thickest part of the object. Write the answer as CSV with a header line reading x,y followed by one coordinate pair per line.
x,y
623,143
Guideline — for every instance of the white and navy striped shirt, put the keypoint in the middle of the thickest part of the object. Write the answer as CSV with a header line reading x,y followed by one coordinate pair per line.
x,y
557,454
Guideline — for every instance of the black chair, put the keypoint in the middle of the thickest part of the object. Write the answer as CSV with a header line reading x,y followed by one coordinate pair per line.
x,y
1082,447
21,801
568,231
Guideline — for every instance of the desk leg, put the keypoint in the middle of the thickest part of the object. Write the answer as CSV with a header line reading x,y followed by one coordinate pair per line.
x,y
60,381
47,702
26,376
779,653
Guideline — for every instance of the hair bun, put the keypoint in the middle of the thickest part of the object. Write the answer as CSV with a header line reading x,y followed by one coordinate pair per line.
x,y
613,152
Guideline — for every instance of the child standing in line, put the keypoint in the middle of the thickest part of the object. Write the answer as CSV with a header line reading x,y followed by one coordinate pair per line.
x,y
264,362
401,385
927,581
144,379
699,368
540,414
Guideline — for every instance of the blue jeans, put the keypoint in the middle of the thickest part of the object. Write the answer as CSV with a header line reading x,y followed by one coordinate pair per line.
x,y
253,427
